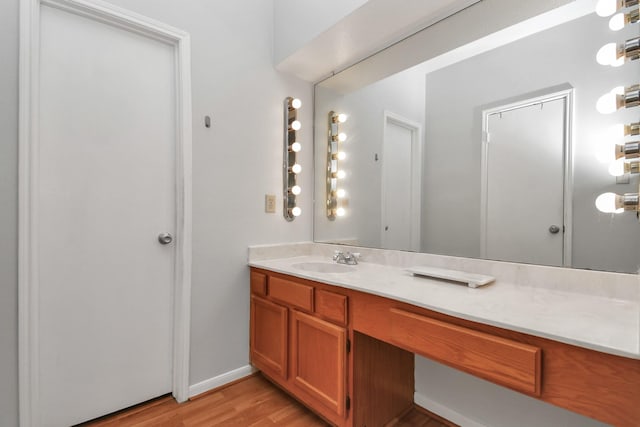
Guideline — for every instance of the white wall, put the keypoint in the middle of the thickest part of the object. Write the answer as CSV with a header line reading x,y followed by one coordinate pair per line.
x,y
472,402
8,213
401,94
298,22
561,55
235,163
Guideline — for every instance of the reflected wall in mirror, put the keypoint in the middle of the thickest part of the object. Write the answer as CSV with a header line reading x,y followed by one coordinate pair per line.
x,y
494,154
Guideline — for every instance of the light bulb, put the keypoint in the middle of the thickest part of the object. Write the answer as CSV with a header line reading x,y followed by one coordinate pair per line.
x,y
296,103
616,23
296,211
341,174
606,152
607,54
296,190
616,168
616,131
296,125
606,7
608,103
340,155
340,212
296,168
342,118
296,147
342,137
606,203
340,193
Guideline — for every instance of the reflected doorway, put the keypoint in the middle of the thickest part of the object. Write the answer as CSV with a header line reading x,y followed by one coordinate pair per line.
x,y
400,215
529,140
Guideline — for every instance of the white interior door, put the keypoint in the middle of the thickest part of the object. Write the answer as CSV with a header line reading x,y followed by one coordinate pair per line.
x,y
400,183
107,189
523,192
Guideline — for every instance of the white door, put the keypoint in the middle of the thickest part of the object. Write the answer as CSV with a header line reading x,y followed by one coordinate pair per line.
x,y
400,183
523,195
107,189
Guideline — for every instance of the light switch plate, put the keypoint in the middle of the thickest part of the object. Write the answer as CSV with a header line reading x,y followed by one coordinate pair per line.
x,y
270,203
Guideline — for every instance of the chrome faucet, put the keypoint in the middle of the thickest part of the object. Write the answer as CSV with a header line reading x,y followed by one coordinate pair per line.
x,y
346,257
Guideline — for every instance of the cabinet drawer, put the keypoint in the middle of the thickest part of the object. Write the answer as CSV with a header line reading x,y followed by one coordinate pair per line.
x,y
331,306
292,293
258,283
509,363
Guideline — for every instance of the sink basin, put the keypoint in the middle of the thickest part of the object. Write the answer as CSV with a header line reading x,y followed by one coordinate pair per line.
x,y
323,267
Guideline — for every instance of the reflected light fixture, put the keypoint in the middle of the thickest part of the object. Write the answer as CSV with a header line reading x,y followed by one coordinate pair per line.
x,y
620,167
620,129
291,168
617,54
619,97
619,20
335,199
628,150
606,8
617,203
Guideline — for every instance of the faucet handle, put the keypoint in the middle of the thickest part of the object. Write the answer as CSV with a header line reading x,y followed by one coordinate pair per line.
x,y
337,255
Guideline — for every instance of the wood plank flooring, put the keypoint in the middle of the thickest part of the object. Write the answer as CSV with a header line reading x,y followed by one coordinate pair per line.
x,y
250,402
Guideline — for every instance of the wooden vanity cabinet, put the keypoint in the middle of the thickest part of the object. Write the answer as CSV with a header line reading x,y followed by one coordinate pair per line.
x,y
269,337
302,333
299,339
319,361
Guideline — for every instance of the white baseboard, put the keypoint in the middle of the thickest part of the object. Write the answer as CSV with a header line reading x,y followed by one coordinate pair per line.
x,y
444,411
220,380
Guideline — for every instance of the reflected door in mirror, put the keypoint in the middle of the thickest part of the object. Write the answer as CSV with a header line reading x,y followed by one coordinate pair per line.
x,y
523,192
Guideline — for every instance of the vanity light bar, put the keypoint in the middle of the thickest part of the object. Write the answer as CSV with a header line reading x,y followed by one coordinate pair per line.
x,y
609,7
620,97
617,55
630,49
631,129
630,98
334,173
630,150
618,203
619,20
632,167
291,168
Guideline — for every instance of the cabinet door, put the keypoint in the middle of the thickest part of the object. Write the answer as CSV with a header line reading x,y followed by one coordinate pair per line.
x,y
319,360
269,337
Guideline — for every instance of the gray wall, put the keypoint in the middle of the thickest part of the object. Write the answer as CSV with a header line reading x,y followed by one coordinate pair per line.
x,y
455,98
8,213
235,163
401,94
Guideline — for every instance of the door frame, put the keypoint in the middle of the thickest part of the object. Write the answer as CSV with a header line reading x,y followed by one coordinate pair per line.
x,y
28,209
567,186
416,175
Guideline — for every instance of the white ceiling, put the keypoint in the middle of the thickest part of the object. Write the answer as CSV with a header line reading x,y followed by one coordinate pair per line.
x,y
368,29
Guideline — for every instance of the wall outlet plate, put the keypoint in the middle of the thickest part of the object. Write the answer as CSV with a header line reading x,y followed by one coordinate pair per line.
x,y
270,203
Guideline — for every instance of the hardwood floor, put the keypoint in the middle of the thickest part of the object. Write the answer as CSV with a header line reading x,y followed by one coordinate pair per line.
x,y
251,402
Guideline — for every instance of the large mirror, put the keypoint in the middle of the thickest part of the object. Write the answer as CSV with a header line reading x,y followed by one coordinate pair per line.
x,y
491,150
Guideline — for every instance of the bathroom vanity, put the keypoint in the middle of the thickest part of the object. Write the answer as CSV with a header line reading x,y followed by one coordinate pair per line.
x,y
343,342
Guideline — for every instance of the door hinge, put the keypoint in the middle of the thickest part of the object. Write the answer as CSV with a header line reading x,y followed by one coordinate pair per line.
x,y
348,345
348,403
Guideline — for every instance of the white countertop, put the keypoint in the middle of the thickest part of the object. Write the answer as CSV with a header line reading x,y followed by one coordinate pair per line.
x,y
600,323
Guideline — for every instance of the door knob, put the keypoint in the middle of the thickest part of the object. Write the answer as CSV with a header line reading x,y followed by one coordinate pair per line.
x,y
165,238
554,229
